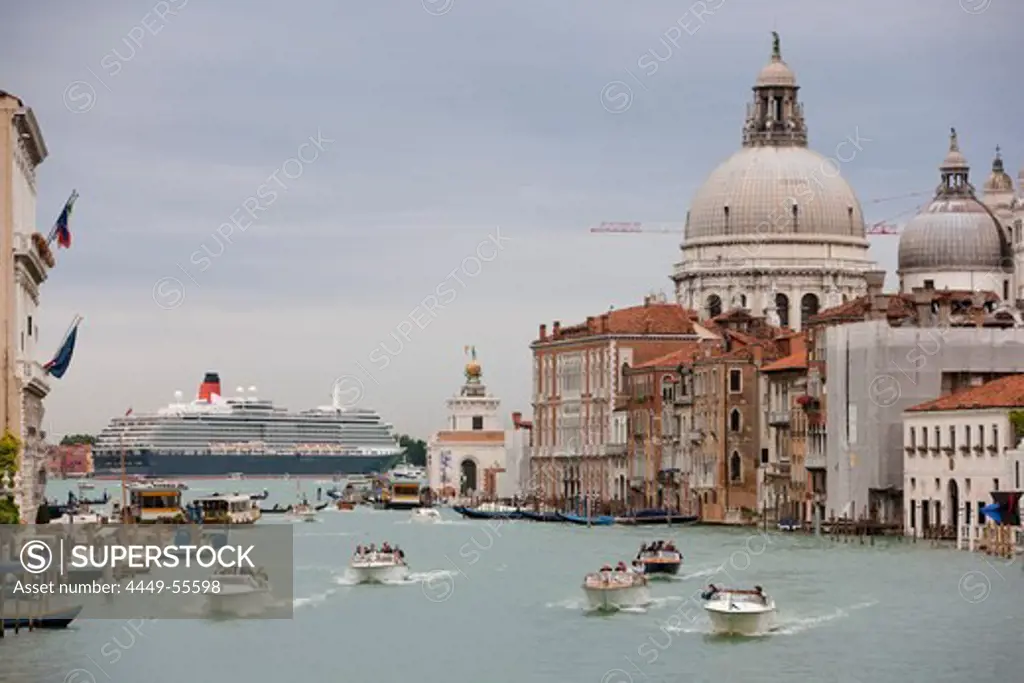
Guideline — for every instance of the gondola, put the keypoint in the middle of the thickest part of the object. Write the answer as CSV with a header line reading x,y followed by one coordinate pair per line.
x,y
276,510
260,496
53,620
602,520
472,513
654,517
540,516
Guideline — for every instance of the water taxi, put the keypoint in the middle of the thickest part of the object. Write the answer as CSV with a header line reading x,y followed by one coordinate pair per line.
x,y
228,509
739,612
386,565
660,558
303,511
614,589
244,591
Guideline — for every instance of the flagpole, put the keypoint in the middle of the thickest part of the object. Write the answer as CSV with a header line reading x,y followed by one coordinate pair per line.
x,y
70,202
74,321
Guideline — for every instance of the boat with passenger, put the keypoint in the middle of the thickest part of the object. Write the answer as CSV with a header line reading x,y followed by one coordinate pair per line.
x,y
611,589
303,511
155,504
739,612
242,591
371,564
660,558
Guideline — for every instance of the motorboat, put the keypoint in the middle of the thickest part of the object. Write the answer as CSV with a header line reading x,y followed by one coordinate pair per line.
x,y
378,566
739,612
408,472
609,590
303,511
236,476
169,483
427,515
346,505
660,559
79,517
244,591
789,525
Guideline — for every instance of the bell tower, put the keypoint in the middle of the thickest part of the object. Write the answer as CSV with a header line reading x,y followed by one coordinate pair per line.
x,y
775,118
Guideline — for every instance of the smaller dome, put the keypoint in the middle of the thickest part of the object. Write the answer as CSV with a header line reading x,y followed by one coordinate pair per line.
x,y
776,74
954,159
999,180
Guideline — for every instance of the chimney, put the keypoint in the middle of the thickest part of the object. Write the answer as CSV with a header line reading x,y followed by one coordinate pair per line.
x,y
604,323
758,354
210,387
543,332
923,306
945,312
590,323
517,418
556,328
875,280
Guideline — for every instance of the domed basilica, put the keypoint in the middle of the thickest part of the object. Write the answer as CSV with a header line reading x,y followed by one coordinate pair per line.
x,y
776,230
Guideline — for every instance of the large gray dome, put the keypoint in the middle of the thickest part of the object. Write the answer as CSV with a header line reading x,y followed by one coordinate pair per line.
x,y
956,232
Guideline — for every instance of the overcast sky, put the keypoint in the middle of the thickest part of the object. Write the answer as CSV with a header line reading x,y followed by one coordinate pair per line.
x,y
445,131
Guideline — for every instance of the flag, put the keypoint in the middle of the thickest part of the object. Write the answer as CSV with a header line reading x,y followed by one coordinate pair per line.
x,y
60,228
59,365
1007,505
128,413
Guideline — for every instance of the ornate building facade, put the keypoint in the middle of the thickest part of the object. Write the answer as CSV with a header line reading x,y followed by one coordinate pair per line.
x,y
25,263
775,229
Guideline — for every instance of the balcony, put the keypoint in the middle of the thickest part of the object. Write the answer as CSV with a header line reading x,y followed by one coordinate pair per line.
x,y
613,449
34,254
33,377
695,436
778,418
814,461
686,400
777,469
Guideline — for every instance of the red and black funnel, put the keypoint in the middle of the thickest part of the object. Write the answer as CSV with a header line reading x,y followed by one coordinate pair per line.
x,y
209,387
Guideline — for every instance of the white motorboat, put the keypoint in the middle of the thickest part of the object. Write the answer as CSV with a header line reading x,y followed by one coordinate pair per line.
x,y
80,517
739,612
304,512
238,476
610,590
242,591
426,515
379,567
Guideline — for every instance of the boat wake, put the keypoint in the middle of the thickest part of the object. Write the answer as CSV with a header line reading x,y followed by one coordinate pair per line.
x,y
709,571
313,600
574,604
327,533
789,627
414,578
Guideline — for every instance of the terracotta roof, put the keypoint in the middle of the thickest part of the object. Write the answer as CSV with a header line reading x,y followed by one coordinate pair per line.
x,y
796,360
899,306
1006,392
648,318
683,356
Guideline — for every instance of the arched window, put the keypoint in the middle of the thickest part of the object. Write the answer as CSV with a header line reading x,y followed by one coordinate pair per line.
x,y
735,467
714,305
782,308
734,420
808,308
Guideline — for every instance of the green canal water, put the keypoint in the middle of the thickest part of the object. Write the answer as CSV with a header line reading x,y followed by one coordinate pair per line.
x,y
492,602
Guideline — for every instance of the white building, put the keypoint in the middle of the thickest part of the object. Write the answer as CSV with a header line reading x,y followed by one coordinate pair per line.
x,y
25,262
470,456
958,449
775,229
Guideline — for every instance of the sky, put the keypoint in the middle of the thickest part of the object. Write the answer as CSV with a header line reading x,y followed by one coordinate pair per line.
x,y
299,195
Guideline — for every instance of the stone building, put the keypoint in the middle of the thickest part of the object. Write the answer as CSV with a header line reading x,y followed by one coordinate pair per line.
x,y
25,261
775,229
577,384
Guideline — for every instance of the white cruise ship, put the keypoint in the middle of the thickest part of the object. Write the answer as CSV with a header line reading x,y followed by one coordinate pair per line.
x,y
213,436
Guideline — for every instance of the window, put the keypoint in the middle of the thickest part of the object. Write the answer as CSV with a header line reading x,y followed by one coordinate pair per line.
x,y
30,326
478,423
735,467
995,484
1006,289
967,436
913,438
1016,475
734,420
808,308
995,438
714,304
735,381
929,284
952,437
938,438
981,436
924,437
782,308
764,456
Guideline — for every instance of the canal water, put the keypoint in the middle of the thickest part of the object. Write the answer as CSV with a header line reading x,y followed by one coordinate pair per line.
x,y
492,602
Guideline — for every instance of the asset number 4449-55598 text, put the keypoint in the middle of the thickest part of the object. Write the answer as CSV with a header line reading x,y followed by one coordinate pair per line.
x,y
173,587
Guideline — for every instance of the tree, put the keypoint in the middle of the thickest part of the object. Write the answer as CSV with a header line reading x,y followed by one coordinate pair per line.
x,y
415,450
10,446
78,439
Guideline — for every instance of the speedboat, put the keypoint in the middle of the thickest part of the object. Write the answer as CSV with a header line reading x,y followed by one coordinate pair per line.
x,y
609,590
429,515
379,567
244,591
739,612
664,562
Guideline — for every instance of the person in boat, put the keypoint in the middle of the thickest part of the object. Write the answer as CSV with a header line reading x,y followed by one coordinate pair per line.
x,y
711,592
606,568
359,550
638,567
400,553
621,567
386,548
760,594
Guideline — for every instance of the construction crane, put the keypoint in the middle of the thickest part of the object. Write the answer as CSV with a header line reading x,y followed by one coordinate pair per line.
x,y
884,227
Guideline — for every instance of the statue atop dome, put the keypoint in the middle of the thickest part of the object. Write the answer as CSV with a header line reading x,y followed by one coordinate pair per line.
x,y
776,48
473,369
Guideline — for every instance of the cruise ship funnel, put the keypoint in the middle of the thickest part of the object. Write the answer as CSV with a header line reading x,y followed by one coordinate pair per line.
x,y
210,387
